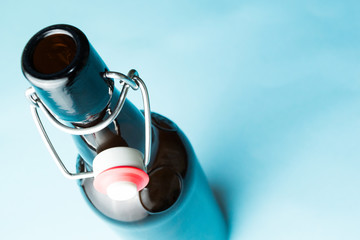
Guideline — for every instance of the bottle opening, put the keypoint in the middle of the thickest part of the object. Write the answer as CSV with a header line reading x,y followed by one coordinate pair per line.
x,y
53,53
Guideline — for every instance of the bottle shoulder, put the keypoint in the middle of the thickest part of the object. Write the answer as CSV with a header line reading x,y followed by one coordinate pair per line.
x,y
170,160
170,146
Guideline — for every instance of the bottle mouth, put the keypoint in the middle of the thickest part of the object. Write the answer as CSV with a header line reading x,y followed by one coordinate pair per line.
x,y
55,52
67,74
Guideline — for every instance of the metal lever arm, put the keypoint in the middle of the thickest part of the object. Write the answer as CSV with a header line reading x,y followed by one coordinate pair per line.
x,y
52,150
133,80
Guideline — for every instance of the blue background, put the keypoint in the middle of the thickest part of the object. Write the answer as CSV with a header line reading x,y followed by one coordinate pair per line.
x,y
267,91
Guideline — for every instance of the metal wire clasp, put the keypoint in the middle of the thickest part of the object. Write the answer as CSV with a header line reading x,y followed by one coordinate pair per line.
x,y
131,80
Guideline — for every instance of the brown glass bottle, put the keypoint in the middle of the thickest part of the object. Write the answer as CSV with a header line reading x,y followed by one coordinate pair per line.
x,y
67,75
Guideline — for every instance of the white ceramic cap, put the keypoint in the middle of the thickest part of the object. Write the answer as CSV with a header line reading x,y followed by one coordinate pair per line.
x,y
117,156
119,173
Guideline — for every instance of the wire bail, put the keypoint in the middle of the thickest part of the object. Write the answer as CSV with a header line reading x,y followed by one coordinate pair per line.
x,y
131,80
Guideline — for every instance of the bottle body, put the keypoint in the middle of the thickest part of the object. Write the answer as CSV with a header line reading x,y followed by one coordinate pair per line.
x,y
184,211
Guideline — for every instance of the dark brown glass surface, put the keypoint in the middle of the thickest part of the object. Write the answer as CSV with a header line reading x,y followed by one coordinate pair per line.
x,y
53,53
168,167
162,191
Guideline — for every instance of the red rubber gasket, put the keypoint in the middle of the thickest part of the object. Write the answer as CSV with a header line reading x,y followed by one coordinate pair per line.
x,y
121,173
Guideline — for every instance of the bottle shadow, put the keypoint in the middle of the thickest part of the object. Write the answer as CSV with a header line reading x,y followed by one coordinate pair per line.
x,y
218,193
228,187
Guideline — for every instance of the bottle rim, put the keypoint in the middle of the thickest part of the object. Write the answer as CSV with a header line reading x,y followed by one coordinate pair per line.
x,y
77,63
